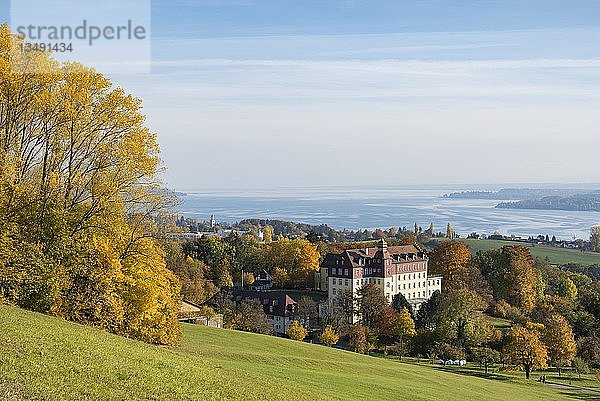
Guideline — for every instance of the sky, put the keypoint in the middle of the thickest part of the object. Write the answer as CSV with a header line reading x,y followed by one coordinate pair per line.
x,y
263,94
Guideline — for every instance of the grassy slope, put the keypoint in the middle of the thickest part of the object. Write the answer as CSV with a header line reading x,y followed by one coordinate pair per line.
x,y
557,256
45,358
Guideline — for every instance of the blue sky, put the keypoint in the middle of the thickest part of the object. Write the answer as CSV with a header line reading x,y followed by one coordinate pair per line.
x,y
292,93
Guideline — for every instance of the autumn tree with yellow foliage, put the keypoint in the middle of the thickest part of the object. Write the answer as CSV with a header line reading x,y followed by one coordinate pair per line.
x,y
296,331
329,337
524,348
78,191
560,342
451,260
292,263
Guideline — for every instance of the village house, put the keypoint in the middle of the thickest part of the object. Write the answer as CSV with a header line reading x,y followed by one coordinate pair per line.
x,y
279,307
394,269
192,313
262,282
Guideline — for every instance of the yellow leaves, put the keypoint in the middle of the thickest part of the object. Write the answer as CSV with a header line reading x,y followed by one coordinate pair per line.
x,y
53,180
77,177
524,347
405,325
558,337
297,258
329,336
296,331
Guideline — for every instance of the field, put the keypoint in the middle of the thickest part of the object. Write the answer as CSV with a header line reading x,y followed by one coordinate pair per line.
x,y
558,256
44,358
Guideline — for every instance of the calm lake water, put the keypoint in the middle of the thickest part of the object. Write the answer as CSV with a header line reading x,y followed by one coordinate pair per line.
x,y
384,207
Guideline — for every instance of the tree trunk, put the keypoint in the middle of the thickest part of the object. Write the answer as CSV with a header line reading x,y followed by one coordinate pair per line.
x,y
486,368
559,370
401,347
527,371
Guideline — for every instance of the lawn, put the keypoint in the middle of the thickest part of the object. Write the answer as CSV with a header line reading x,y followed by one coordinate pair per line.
x,y
558,256
44,358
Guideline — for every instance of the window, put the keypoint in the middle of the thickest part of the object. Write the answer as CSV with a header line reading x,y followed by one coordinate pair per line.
x,y
334,292
403,286
346,282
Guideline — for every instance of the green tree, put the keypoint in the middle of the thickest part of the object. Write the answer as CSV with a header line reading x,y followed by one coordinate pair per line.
x,y
399,302
427,315
405,327
580,366
207,313
459,311
486,356
595,238
370,302
588,348
509,271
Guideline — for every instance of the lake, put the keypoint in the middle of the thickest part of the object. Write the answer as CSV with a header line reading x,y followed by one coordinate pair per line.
x,y
384,207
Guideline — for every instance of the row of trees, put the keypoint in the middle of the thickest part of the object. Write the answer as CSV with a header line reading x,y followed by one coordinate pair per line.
x,y
549,308
209,263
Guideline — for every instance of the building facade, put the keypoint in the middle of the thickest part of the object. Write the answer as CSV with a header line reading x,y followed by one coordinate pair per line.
x,y
280,308
394,269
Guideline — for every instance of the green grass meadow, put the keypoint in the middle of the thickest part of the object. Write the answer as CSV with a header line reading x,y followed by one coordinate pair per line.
x,y
43,358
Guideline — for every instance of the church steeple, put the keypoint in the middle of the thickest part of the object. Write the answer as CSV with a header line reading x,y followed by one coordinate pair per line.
x,y
213,222
382,245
